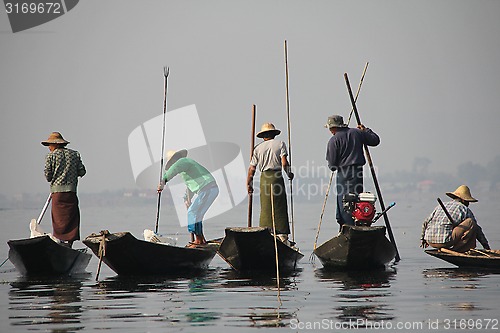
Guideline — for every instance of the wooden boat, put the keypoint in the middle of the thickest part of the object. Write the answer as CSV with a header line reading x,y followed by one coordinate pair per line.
x,y
357,247
127,255
44,257
252,249
489,259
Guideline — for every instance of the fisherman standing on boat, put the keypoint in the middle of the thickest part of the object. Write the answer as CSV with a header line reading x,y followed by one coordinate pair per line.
x,y
344,154
63,166
270,157
458,235
198,181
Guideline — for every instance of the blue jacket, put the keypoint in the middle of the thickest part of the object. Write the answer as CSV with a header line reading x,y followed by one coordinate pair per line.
x,y
345,148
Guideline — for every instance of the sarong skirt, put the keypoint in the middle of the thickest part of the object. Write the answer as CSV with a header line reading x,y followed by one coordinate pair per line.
x,y
65,216
275,180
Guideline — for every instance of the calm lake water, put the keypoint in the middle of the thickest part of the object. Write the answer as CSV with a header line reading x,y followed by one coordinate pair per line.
x,y
418,294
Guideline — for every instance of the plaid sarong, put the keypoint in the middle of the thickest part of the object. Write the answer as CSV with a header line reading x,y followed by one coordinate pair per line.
x,y
65,216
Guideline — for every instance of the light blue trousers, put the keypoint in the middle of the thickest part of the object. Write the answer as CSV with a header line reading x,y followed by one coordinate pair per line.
x,y
199,207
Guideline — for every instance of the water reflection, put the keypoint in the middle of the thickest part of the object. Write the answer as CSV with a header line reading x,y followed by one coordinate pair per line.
x,y
362,295
456,280
267,307
167,300
458,273
47,304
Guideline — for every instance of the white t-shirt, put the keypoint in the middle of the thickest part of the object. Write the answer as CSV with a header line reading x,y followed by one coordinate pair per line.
x,y
267,155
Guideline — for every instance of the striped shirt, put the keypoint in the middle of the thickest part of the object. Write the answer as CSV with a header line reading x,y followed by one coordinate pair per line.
x,y
437,228
63,166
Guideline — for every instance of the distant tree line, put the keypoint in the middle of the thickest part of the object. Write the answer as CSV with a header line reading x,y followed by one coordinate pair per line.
x,y
487,175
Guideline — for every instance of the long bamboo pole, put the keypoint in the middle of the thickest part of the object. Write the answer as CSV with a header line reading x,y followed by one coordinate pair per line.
x,y
289,141
275,245
372,169
166,71
252,147
357,92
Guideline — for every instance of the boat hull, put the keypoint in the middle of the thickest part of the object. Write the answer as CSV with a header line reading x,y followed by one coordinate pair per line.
x,y
41,256
127,255
357,247
253,249
472,261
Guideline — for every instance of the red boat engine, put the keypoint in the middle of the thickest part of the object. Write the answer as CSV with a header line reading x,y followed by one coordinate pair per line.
x,y
363,213
361,206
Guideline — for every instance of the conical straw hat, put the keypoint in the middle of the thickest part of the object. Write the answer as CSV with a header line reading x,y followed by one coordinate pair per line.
x,y
268,128
462,192
55,138
173,156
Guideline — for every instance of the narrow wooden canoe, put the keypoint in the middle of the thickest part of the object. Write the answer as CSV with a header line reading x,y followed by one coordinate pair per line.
x,y
41,256
489,259
357,248
252,249
127,255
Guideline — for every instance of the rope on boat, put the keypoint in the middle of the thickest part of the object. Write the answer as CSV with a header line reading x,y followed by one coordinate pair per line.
x,y
311,258
4,261
102,251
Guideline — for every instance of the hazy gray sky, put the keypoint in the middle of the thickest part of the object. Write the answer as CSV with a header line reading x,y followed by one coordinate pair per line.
x,y
96,73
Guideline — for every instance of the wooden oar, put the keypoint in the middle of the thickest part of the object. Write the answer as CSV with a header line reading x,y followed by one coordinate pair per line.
x,y
455,253
448,215
289,142
252,147
481,252
166,71
372,169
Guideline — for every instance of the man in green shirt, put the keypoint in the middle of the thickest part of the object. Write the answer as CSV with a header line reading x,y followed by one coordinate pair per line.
x,y
198,181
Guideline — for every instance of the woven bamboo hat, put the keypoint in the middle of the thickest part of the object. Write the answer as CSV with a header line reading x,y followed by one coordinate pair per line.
x,y
268,129
55,138
173,156
462,192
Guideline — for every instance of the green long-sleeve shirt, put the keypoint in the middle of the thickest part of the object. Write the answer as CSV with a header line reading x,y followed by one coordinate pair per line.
x,y
194,175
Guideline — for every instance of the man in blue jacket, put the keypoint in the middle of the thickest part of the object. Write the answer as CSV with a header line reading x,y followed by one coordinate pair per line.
x,y
344,154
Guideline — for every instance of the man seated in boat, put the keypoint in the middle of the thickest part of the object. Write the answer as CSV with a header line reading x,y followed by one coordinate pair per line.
x,y
458,235
270,157
198,181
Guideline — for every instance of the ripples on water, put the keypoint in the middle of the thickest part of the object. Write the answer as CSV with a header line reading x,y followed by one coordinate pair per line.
x,y
418,290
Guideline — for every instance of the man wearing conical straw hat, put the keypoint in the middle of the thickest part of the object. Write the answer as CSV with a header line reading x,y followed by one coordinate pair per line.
x,y
458,235
198,181
270,157
63,166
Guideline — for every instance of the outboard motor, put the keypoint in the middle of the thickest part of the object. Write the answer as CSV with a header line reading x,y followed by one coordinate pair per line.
x,y
361,207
